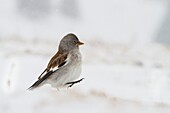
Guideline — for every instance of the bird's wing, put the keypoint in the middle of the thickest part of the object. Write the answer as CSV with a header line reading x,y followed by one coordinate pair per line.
x,y
58,60
39,81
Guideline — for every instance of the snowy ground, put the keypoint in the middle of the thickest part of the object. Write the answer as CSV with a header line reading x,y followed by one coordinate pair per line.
x,y
118,78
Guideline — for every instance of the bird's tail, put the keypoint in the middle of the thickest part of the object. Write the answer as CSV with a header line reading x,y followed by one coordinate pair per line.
x,y
40,81
35,85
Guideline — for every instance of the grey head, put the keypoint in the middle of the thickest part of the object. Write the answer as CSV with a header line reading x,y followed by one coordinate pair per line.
x,y
70,42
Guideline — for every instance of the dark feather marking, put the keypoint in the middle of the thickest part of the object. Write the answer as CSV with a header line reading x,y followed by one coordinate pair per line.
x,y
62,64
39,81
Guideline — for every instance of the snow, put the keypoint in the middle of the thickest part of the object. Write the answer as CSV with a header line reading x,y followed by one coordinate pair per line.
x,y
125,81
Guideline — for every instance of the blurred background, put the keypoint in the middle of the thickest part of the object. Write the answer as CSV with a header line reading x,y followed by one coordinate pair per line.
x,y
126,56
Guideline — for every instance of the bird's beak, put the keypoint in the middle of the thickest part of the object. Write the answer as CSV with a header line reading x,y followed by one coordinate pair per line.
x,y
80,43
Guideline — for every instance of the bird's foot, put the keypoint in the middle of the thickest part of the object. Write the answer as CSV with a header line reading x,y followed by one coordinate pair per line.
x,y
74,82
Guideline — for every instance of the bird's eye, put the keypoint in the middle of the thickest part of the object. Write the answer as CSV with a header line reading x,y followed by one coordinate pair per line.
x,y
75,41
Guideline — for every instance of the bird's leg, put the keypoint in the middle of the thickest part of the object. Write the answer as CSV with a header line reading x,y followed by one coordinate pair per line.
x,y
74,82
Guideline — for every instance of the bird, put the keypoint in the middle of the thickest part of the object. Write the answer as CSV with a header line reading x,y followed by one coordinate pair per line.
x,y
65,66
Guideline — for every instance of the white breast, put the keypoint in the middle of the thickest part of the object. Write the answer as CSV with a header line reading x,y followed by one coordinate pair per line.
x,y
75,67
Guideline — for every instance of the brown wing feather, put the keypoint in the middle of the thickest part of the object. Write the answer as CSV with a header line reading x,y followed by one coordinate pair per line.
x,y
55,61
